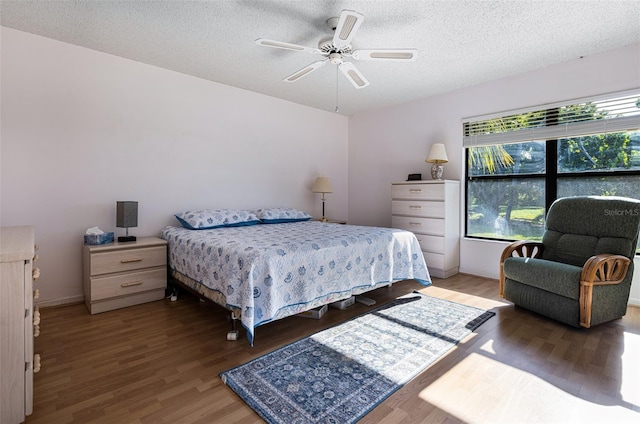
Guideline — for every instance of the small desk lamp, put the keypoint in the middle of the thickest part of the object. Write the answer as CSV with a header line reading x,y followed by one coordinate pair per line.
x,y
322,185
126,216
437,156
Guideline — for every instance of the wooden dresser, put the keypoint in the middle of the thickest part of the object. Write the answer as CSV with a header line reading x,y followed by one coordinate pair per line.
x,y
19,322
116,275
431,210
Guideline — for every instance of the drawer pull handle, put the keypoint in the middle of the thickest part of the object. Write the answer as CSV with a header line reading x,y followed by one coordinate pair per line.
x,y
132,283
36,330
126,261
36,363
415,190
415,224
415,207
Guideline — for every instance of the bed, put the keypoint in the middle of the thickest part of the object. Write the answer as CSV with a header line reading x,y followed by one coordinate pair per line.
x,y
278,268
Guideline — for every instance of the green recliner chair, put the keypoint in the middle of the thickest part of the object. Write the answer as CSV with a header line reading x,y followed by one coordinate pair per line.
x,y
580,274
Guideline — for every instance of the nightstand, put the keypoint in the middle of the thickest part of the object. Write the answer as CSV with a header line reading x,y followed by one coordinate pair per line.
x,y
116,275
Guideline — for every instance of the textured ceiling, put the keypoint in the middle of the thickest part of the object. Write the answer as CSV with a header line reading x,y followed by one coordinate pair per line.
x,y
460,43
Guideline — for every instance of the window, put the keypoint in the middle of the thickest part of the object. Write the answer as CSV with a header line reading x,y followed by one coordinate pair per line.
x,y
518,164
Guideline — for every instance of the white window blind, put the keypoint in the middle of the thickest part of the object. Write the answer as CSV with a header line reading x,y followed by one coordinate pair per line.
x,y
604,114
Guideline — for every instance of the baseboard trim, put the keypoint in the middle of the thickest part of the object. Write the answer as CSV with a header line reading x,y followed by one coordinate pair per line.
x,y
463,270
65,301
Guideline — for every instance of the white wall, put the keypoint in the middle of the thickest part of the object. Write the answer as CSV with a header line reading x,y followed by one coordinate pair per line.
x,y
386,145
82,129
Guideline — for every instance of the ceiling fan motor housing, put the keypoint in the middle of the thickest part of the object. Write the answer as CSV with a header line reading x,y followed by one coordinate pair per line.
x,y
326,46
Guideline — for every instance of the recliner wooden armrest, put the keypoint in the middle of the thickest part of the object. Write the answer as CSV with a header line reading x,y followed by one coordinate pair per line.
x,y
524,249
599,270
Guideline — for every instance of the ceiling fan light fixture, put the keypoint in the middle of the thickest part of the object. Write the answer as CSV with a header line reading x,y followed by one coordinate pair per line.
x,y
335,58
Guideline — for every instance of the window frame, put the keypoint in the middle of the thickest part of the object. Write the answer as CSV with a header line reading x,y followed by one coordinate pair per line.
x,y
550,176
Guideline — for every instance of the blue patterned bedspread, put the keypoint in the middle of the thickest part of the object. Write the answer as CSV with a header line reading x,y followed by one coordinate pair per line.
x,y
273,270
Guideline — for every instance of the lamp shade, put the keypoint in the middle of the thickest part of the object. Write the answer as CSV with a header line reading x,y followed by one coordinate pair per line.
x,y
322,185
437,154
126,214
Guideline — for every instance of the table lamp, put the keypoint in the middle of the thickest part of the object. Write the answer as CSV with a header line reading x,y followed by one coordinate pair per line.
x,y
437,156
322,185
126,216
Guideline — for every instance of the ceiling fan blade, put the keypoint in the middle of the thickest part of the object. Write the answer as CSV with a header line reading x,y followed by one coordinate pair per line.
x,y
353,75
305,71
347,27
400,55
286,46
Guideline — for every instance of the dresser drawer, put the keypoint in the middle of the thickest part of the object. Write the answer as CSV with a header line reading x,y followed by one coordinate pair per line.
x,y
434,244
126,284
126,260
418,191
432,226
434,261
424,208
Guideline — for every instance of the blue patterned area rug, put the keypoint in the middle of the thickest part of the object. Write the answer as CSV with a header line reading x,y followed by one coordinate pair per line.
x,y
340,374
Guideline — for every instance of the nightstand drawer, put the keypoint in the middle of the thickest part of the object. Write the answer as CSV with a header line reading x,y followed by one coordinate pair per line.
x,y
418,191
424,208
126,284
126,260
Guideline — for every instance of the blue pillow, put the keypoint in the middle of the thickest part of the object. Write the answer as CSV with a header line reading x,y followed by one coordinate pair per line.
x,y
280,215
205,219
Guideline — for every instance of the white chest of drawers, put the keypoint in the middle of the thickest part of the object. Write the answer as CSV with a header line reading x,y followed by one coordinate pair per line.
x,y
18,320
430,209
116,275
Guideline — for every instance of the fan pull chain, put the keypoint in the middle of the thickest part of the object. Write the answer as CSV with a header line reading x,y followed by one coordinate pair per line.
x,y
337,108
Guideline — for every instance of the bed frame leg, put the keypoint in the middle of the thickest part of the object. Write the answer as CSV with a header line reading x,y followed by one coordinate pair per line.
x,y
234,334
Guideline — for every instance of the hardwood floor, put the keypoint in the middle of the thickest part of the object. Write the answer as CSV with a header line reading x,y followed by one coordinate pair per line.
x,y
159,363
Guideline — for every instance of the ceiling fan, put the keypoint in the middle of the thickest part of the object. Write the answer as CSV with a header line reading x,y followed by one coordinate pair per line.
x,y
338,47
